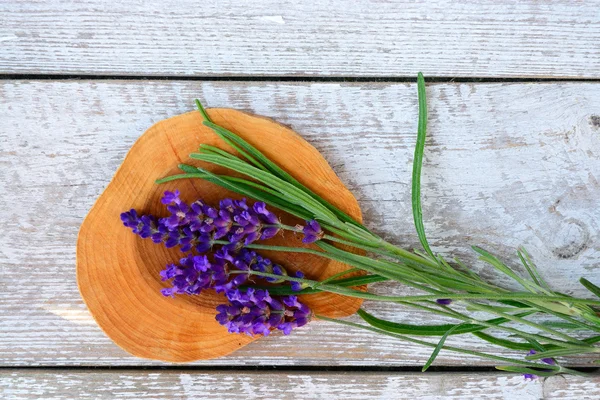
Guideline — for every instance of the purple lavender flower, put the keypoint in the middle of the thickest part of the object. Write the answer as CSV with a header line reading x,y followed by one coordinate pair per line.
x,y
277,270
171,197
196,227
210,214
312,232
203,243
193,275
296,314
548,361
444,302
257,313
298,286
143,226
170,272
165,231
265,215
225,253
223,223
250,224
130,219
255,224
195,215
178,216
253,312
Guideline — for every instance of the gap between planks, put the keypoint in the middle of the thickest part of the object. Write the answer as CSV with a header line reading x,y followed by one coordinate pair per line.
x,y
283,78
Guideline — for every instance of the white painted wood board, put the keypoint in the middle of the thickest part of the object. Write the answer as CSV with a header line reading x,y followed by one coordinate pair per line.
x,y
505,165
378,38
301,385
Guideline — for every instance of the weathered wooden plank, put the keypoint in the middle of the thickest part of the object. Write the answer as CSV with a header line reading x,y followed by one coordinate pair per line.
x,y
384,38
506,165
127,384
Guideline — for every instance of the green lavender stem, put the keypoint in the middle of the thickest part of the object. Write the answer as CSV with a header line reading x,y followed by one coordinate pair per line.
x,y
449,348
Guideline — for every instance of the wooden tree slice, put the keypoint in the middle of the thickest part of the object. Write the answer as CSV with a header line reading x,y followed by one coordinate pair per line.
x,y
118,272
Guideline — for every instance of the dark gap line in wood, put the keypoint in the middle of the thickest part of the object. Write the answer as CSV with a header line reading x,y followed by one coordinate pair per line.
x,y
391,79
264,368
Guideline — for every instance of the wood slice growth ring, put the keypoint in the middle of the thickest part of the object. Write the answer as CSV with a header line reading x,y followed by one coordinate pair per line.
x,y
118,272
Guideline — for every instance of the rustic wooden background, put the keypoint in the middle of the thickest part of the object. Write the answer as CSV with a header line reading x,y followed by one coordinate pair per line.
x,y
512,158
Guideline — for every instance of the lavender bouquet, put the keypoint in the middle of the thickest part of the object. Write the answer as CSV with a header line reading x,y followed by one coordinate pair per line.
x,y
222,245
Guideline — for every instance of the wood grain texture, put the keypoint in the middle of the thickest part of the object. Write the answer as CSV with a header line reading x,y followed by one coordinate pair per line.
x,y
378,38
118,273
505,165
50,385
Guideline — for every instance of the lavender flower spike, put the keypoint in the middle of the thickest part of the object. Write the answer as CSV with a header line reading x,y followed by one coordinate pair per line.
x,y
257,313
193,275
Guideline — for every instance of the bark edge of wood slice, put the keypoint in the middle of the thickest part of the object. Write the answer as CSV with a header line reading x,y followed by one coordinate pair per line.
x,y
118,272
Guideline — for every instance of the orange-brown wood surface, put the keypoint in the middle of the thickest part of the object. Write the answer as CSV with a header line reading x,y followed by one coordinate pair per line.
x,y
118,272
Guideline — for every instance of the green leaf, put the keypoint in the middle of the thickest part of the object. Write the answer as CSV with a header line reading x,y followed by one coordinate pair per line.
x,y
259,156
509,344
427,330
202,111
537,346
418,164
529,269
562,352
590,286
560,324
513,303
592,339
263,162
245,189
424,343
208,122
532,269
206,148
439,346
219,131
525,370
500,266
187,168
287,190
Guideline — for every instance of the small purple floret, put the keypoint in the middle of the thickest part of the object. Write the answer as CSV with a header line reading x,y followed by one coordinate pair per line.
x,y
170,197
130,219
549,361
444,302
297,286
312,232
265,215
